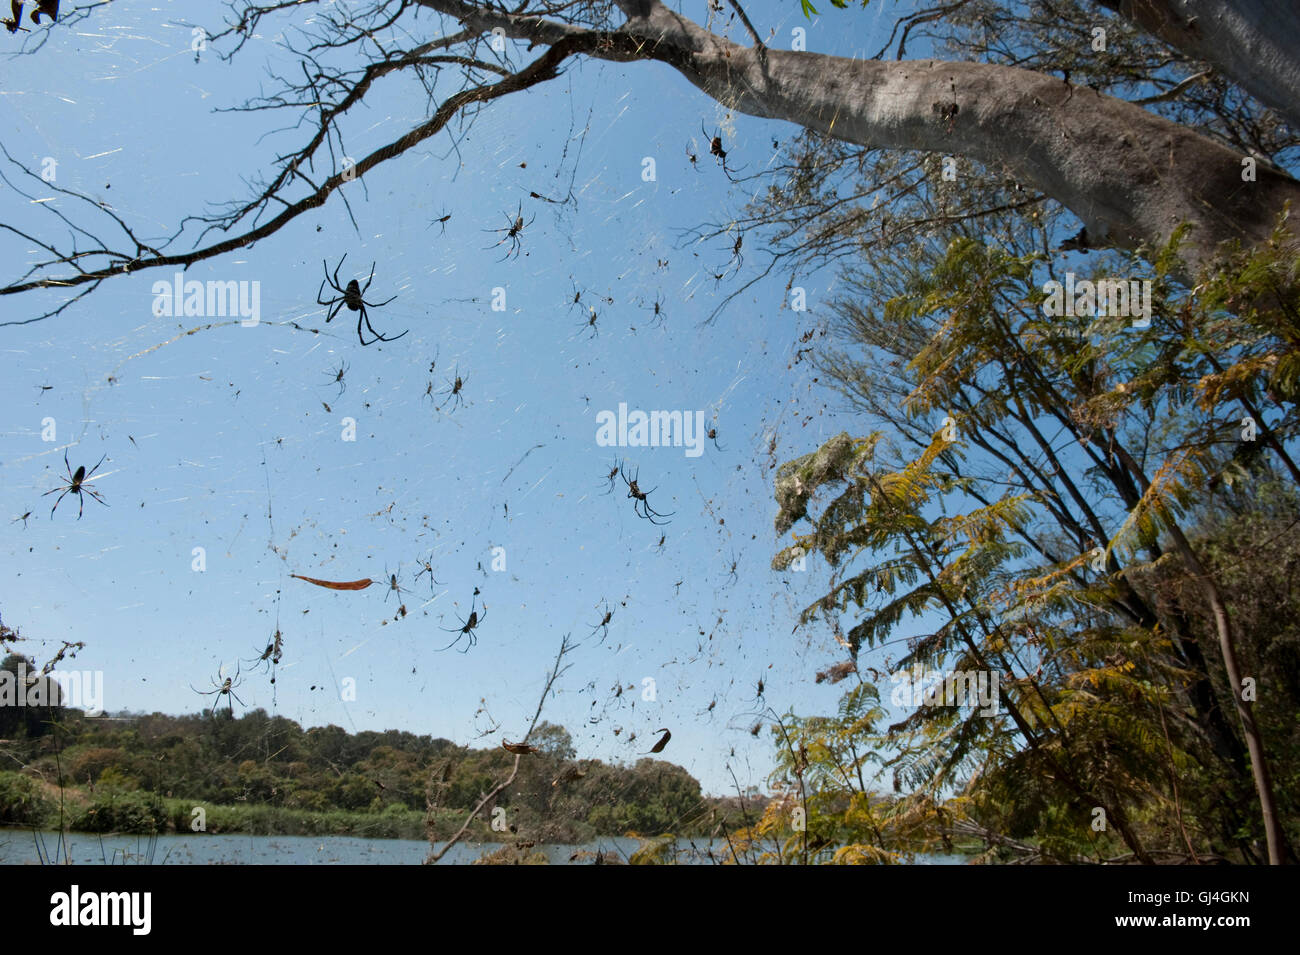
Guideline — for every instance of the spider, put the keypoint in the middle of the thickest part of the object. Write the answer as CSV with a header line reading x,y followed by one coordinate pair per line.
x,y
439,222
692,156
715,149
612,477
16,13
271,655
712,435
467,629
427,566
78,484
393,587
512,231
224,688
715,144
735,252
589,323
23,518
641,498
454,392
734,561
659,313
604,623
352,297
577,294
338,374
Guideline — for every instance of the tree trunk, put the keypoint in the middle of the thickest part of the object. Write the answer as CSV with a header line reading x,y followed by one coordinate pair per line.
x,y
1251,42
1277,846
1131,176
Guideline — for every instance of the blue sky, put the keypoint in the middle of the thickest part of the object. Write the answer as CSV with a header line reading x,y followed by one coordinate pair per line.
x,y
201,431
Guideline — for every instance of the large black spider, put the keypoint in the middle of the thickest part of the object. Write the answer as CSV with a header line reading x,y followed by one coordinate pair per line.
x,y
715,149
513,231
352,297
467,628
641,499
78,484
222,686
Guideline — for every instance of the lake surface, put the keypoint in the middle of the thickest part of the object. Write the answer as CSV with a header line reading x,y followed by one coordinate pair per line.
x,y
25,848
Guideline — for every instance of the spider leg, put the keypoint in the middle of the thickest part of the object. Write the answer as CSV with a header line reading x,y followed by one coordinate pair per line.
x,y
336,271
378,337
369,280
94,469
56,503
379,304
459,634
334,311
360,320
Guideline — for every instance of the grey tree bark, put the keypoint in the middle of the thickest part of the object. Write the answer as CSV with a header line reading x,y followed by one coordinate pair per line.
x,y
1131,176
1251,41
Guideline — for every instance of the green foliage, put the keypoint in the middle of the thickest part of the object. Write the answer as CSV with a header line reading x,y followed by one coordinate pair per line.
x,y
23,802
809,10
266,775
1014,501
113,810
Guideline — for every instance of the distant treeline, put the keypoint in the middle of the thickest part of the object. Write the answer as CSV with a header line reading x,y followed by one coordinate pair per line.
x,y
143,772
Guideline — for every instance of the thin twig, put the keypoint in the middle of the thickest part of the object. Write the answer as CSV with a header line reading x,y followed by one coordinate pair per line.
x,y
555,673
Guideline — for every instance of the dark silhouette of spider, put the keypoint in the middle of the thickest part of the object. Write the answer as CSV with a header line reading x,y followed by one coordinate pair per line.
x,y
14,24
659,313
467,627
353,297
271,655
715,149
612,476
78,484
336,377
641,498
603,625
224,688
393,587
427,568
453,392
48,7
512,232
588,324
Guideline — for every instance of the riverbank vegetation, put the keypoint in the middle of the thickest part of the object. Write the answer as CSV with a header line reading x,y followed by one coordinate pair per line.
x,y
263,774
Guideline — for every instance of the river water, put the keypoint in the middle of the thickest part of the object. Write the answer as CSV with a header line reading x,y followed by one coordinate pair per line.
x,y
27,848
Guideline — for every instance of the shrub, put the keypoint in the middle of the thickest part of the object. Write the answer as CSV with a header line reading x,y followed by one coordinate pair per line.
x,y
22,803
116,811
